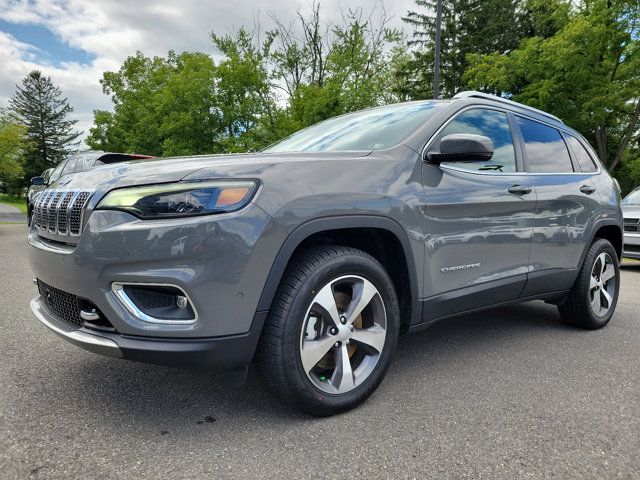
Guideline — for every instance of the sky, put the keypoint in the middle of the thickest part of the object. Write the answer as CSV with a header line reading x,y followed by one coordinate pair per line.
x,y
75,41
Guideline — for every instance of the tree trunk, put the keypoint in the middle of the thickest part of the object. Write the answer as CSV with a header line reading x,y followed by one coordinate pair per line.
x,y
627,137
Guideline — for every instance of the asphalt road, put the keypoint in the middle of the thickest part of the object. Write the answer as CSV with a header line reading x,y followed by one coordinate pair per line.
x,y
11,214
510,393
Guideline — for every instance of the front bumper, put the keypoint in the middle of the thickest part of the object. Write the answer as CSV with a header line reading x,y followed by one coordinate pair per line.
x,y
221,262
631,247
221,353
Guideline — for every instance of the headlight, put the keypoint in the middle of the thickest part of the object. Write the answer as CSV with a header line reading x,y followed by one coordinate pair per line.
x,y
181,199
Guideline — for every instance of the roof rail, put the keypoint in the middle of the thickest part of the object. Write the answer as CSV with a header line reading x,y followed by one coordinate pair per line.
x,y
488,96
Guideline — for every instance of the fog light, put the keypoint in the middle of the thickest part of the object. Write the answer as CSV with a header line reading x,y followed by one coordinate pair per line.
x,y
182,302
156,303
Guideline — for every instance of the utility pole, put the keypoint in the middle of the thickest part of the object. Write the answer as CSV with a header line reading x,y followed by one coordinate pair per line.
x,y
436,63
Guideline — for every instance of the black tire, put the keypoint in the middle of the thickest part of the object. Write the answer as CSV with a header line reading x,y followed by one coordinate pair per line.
x,y
577,310
278,358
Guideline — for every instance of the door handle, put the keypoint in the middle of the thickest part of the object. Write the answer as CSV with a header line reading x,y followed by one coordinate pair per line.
x,y
519,189
588,189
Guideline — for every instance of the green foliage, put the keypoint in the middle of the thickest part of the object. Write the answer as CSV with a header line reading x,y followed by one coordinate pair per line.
x,y
480,26
39,106
186,104
13,143
587,73
161,106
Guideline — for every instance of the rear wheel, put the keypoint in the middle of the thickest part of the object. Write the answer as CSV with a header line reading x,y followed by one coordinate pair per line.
x,y
594,295
330,333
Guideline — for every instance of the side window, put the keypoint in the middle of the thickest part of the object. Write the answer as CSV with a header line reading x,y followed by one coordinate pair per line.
x,y
546,150
581,154
492,124
70,166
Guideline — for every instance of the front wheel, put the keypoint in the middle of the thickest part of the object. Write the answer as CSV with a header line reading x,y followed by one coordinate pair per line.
x,y
331,331
594,295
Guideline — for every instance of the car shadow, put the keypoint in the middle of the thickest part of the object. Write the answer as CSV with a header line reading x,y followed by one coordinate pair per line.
x,y
163,400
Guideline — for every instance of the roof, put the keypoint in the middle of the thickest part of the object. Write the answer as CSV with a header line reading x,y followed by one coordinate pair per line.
x,y
495,98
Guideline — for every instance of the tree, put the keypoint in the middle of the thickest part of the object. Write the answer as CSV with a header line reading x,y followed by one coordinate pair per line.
x,y
13,141
243,97
39,106
162,106
587,73
468,26
260,90
330,69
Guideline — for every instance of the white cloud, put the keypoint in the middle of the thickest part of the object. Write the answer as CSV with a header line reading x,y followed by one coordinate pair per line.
x,y
113,30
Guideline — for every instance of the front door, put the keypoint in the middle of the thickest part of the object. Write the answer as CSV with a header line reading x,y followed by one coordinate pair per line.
x,y
479,221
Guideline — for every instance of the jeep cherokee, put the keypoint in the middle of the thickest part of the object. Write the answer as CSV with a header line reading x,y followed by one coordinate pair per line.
x,y
312,256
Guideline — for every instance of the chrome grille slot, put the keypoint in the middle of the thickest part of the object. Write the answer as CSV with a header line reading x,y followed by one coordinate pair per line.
x,y
63,217
75,212
60,213
52,211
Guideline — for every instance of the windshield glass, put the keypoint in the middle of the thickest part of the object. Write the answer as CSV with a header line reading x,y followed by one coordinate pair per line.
x,y
632,199
373,129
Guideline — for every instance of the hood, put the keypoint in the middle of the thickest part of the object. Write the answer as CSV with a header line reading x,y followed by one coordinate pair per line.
x,y
174,169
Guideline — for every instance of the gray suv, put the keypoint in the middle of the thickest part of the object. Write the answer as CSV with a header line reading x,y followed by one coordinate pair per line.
x,y
311,257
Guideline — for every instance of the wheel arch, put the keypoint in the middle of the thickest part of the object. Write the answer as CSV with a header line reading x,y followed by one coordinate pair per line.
x,y
340,230
611,230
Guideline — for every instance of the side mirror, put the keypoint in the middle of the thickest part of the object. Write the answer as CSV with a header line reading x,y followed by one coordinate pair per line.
x,y
462,147
38,181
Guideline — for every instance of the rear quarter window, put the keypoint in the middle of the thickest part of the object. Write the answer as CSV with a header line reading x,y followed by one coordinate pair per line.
x,y
581,155
545,148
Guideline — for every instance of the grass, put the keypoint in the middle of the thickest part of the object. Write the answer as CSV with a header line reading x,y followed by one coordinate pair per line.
x,y
14,201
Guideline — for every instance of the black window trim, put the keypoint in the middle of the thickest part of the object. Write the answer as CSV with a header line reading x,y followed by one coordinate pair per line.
x,y
595,163
520,170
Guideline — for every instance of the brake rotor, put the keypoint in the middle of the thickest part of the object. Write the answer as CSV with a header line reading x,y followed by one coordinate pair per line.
x,y
342,302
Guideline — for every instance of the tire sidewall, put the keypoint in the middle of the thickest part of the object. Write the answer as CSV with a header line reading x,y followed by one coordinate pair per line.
x,y
337,267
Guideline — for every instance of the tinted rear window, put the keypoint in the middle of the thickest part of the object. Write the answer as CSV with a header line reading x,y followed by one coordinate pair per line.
x,y
545,148
581,155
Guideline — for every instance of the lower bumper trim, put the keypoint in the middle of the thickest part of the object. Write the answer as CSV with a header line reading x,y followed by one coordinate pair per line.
x,y
92,343
216,353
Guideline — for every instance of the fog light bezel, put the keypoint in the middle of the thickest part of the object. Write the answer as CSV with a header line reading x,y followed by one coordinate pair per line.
x,y
118,289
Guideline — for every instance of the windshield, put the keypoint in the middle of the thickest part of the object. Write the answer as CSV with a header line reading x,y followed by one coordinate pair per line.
x,y
374,129
633,198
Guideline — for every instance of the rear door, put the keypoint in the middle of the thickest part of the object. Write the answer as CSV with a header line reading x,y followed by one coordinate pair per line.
x,y
567,205
479,220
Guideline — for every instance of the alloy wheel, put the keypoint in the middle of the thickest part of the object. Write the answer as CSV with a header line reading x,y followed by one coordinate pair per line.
x,y
603,284
343,334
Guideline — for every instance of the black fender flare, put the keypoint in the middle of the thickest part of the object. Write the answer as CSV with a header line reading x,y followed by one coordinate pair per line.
x,y
323,224
598,224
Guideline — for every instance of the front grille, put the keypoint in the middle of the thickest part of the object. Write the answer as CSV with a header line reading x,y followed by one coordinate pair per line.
x,y
631,248
60,212
632,220
631,228
63,304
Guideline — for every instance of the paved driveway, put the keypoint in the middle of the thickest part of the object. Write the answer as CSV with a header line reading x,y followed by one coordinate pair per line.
x,y
509,393
9,213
